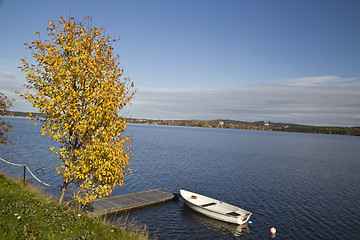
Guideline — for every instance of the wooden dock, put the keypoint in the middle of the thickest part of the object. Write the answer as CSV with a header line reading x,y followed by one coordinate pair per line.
x,y
130,201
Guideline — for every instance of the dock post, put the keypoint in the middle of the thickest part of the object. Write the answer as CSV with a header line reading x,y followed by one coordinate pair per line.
x,y
24,175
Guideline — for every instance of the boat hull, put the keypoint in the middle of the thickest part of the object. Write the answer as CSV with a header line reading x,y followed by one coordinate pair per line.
x,y
214,208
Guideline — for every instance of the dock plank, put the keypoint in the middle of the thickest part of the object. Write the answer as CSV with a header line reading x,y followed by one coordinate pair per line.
x,y
130,201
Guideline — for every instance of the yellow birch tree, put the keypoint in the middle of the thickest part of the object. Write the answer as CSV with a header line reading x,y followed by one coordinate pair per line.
x,y
79,86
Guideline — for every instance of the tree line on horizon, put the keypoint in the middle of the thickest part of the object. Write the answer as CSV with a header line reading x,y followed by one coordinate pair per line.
x,y
233,124
259,125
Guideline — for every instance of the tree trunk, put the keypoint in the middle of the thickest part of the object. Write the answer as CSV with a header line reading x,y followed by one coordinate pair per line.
x,y
62,192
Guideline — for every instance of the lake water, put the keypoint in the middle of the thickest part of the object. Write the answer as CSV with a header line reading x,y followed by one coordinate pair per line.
x,y
307,186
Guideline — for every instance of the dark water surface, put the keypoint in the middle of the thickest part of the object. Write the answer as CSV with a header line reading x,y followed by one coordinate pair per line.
x,y
304,185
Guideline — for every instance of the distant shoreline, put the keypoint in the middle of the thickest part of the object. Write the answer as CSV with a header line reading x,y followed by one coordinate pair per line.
x,y
259,125
233,124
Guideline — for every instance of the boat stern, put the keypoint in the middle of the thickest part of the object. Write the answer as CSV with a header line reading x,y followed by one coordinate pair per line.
x,y
245,218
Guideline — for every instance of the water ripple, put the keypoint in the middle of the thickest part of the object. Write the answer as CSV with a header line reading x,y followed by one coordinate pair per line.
x,y
305,185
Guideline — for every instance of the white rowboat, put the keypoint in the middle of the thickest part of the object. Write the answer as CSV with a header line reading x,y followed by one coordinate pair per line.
x,y
214,208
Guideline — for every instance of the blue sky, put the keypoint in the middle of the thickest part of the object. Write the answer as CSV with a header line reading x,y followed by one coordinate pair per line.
x,y
280,60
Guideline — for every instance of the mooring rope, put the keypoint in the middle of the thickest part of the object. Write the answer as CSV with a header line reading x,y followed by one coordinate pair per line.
x,y
23,165
15,164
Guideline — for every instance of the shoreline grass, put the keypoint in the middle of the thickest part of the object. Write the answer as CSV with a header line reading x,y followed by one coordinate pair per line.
x,y
27,214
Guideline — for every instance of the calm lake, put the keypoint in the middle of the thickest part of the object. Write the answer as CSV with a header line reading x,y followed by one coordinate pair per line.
x,y
304,185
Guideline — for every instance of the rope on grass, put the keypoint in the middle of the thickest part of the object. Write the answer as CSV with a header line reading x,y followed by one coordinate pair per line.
x,y
23,165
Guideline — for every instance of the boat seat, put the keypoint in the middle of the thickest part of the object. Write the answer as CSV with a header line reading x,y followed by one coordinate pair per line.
x,y
208,204
233,214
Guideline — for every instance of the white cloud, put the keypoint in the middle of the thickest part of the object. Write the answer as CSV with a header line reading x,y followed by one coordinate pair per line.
x,y
8,82
330,105
323,100
8,86
321,81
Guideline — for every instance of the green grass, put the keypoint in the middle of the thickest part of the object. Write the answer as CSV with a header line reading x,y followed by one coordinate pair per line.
x,y
26,214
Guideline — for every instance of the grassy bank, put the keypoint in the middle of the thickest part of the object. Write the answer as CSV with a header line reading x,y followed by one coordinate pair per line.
x,y
26,214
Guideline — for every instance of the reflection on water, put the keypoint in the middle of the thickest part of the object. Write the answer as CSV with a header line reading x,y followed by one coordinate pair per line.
x,y
174,220
214,224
